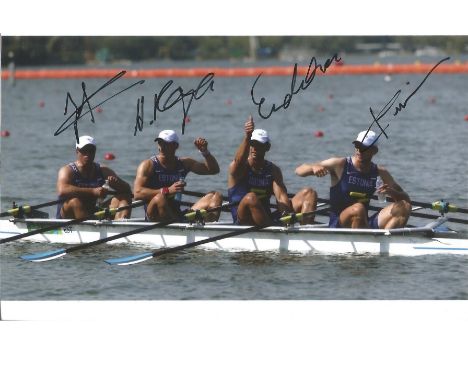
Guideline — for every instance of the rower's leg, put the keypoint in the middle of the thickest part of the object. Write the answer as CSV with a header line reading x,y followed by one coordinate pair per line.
x,y
75,208
252,212
159,209
121,201
212,199
305,201
354,216
395,215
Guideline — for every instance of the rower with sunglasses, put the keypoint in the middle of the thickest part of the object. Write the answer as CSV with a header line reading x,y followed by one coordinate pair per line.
x,y
252,180
353,182
80,185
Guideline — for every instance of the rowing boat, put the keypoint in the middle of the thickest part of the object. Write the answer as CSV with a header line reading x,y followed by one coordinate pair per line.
x,y
433,238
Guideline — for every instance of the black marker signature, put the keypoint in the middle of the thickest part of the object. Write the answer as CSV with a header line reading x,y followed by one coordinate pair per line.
x,y
78,113
400,107
305,83
178,95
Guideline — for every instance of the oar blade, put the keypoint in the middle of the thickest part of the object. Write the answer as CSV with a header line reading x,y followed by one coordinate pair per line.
x,y
45,256
129,260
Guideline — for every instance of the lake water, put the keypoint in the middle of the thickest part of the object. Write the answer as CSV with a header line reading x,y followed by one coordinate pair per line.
x,y
426,154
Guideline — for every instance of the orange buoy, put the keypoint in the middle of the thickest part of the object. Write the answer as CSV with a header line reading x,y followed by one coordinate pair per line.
x,y
5,133
318,134
109,156
41,103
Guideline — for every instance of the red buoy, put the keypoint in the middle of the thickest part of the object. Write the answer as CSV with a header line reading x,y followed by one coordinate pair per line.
x,y
109,156
432,99
229,101
5,133
41,103
466,117
318,134
321,109
187,119
99,109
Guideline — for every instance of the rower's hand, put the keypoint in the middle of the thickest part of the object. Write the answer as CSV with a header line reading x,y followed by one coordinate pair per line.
x,y
201,144
113,181
249,127
319,170
100,192
388,190
177,187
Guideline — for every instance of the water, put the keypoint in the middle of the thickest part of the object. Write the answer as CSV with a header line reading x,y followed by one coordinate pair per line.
x,y
425,153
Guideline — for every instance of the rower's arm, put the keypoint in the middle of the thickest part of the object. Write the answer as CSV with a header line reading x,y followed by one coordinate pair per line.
x,y
118,184
210,165
280,191
66,190
392,188
319,169
142,177
239,164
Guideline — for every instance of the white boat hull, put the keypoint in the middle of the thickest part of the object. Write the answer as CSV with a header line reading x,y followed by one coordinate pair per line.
x,y
299,239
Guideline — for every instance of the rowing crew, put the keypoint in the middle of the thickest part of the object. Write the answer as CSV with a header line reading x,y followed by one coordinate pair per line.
x,y
252,180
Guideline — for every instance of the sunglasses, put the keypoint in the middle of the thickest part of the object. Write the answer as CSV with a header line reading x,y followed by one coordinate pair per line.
x,y
361,148
258,145
87,150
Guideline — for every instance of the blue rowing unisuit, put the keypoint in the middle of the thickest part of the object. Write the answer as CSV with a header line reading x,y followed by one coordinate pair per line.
x,y
261,183
163,177
352,180
97,180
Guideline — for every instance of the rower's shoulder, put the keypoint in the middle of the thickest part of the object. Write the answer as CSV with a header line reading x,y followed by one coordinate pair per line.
x,y
66,168
146,165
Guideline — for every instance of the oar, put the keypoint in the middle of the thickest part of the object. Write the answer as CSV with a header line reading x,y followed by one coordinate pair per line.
x,y
374,208
134,259
55,254
27,209
438,205
200,194
96,215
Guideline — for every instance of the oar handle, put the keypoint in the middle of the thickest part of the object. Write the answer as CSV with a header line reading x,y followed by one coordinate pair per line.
x,y
444,207
99,214
27,208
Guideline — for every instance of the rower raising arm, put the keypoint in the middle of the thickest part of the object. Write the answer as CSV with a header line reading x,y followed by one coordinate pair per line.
x,y
161,177
252,180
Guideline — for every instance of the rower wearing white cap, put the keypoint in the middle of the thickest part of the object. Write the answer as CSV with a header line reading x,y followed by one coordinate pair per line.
x,y
160,178
252,180
80,184
353,182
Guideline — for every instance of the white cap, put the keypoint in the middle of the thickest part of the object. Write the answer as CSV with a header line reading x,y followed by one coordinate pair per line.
x,y
367,138
260,136
168,136
85,140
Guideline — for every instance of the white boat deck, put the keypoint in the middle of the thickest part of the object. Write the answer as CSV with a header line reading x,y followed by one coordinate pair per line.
x,y
317,238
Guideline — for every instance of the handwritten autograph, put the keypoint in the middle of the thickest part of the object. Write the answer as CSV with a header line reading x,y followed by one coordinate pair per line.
x,y
399,107
178,95
78,113
305,83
